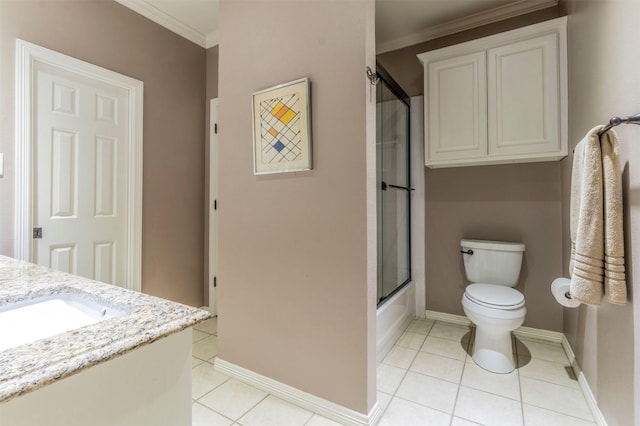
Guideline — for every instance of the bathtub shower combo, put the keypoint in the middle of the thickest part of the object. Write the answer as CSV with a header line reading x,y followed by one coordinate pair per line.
x,y
396,294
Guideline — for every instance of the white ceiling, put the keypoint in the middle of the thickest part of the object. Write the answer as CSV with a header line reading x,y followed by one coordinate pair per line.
x,y
399,23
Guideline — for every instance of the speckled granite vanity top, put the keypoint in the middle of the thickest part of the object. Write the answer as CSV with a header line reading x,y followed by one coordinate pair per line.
x,y
30,366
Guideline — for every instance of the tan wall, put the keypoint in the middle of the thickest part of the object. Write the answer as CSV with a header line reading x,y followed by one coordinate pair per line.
x,y
604,81
511,202
296,293
173,71
520,202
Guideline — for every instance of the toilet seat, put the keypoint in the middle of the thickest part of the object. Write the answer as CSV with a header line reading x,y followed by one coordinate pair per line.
x,y
494,296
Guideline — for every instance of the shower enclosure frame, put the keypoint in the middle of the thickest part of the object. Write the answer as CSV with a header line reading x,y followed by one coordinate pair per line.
x,y
386,79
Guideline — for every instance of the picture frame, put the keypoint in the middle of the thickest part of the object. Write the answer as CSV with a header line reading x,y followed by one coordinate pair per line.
x,y
282,128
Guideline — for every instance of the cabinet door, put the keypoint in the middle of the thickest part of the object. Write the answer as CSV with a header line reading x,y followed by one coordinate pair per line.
x,y
524,97
456,112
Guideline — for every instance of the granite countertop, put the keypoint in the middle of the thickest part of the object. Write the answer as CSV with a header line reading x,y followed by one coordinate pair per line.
x,y
33,365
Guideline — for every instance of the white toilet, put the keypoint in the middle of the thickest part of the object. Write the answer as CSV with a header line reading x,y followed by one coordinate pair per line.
x,y
490,302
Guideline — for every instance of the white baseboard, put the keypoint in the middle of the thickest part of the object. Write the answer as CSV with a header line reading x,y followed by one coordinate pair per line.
x,y
546,336
328,409
539,334
584,385
450,318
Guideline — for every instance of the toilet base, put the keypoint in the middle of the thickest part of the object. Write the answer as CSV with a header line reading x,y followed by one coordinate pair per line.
x,y
493,351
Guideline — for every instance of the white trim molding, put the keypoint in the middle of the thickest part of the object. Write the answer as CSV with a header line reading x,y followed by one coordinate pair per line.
x,y
486,17
444,317
27,55
584,385
328,409
160,17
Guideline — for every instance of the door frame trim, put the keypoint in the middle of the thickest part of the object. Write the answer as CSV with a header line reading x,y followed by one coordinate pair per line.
x,y
213,213
27,54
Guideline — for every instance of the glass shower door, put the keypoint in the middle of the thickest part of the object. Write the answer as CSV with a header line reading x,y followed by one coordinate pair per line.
x,y
393,203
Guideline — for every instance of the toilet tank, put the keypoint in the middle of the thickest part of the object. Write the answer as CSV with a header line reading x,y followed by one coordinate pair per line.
x,y
492,262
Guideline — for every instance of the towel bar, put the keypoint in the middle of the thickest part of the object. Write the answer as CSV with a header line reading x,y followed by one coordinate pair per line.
x,y
616,121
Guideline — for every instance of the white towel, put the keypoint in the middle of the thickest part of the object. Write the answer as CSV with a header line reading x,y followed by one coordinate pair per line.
x,y
615,287
587,246
597,244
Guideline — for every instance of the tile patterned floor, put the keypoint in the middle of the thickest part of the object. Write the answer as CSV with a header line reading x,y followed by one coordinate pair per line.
x,y
428,378
219,400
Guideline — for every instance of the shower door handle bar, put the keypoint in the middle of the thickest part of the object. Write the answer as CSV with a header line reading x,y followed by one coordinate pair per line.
x,y
386,185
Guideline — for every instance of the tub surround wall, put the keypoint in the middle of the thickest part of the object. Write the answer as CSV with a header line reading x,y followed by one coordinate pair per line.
x,y
29,367
297,277
173,69
604,82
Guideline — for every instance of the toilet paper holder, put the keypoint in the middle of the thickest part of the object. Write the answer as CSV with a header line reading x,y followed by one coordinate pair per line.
x,y
567,295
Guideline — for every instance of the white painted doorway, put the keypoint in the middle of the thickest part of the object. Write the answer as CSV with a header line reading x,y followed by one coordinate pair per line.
x,y
79,157
213,205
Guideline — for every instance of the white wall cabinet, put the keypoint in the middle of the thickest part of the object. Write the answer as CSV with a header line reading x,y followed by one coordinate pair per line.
x,y
499,99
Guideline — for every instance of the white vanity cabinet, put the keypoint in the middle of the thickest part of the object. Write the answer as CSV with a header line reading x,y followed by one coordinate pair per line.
x,y
499,99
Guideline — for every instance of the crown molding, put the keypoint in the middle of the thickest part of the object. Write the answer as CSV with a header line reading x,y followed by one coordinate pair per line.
x,y
479,19
212,39
148,10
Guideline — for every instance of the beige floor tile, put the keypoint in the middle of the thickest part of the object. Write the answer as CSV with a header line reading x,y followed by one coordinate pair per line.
x,y
204,379
383,400
420,326
198,335
195,362
318,420
400,357
487,409
273,411
554,397
389,378
560,374
428,391
407,413
541,350
411,340
233,398
438,366
203,416
209,326
449,331
457,421
476,377
206,348
535,416
444,347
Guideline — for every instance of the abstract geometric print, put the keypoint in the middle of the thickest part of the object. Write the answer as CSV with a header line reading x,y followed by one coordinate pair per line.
x,y
281,128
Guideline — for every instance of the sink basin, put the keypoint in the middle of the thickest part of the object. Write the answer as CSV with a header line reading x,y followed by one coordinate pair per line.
x,y
34,319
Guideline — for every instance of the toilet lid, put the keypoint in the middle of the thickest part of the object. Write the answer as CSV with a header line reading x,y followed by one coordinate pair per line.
x,y
495,295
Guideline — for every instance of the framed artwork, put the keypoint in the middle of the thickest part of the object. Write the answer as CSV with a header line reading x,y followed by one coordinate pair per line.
x,y
282,128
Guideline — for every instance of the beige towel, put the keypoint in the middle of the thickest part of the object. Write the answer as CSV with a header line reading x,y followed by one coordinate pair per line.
x,y
597,245
615,287
587,246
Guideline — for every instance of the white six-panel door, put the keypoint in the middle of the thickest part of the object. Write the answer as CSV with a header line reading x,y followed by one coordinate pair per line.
x,y
81,174
78,167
